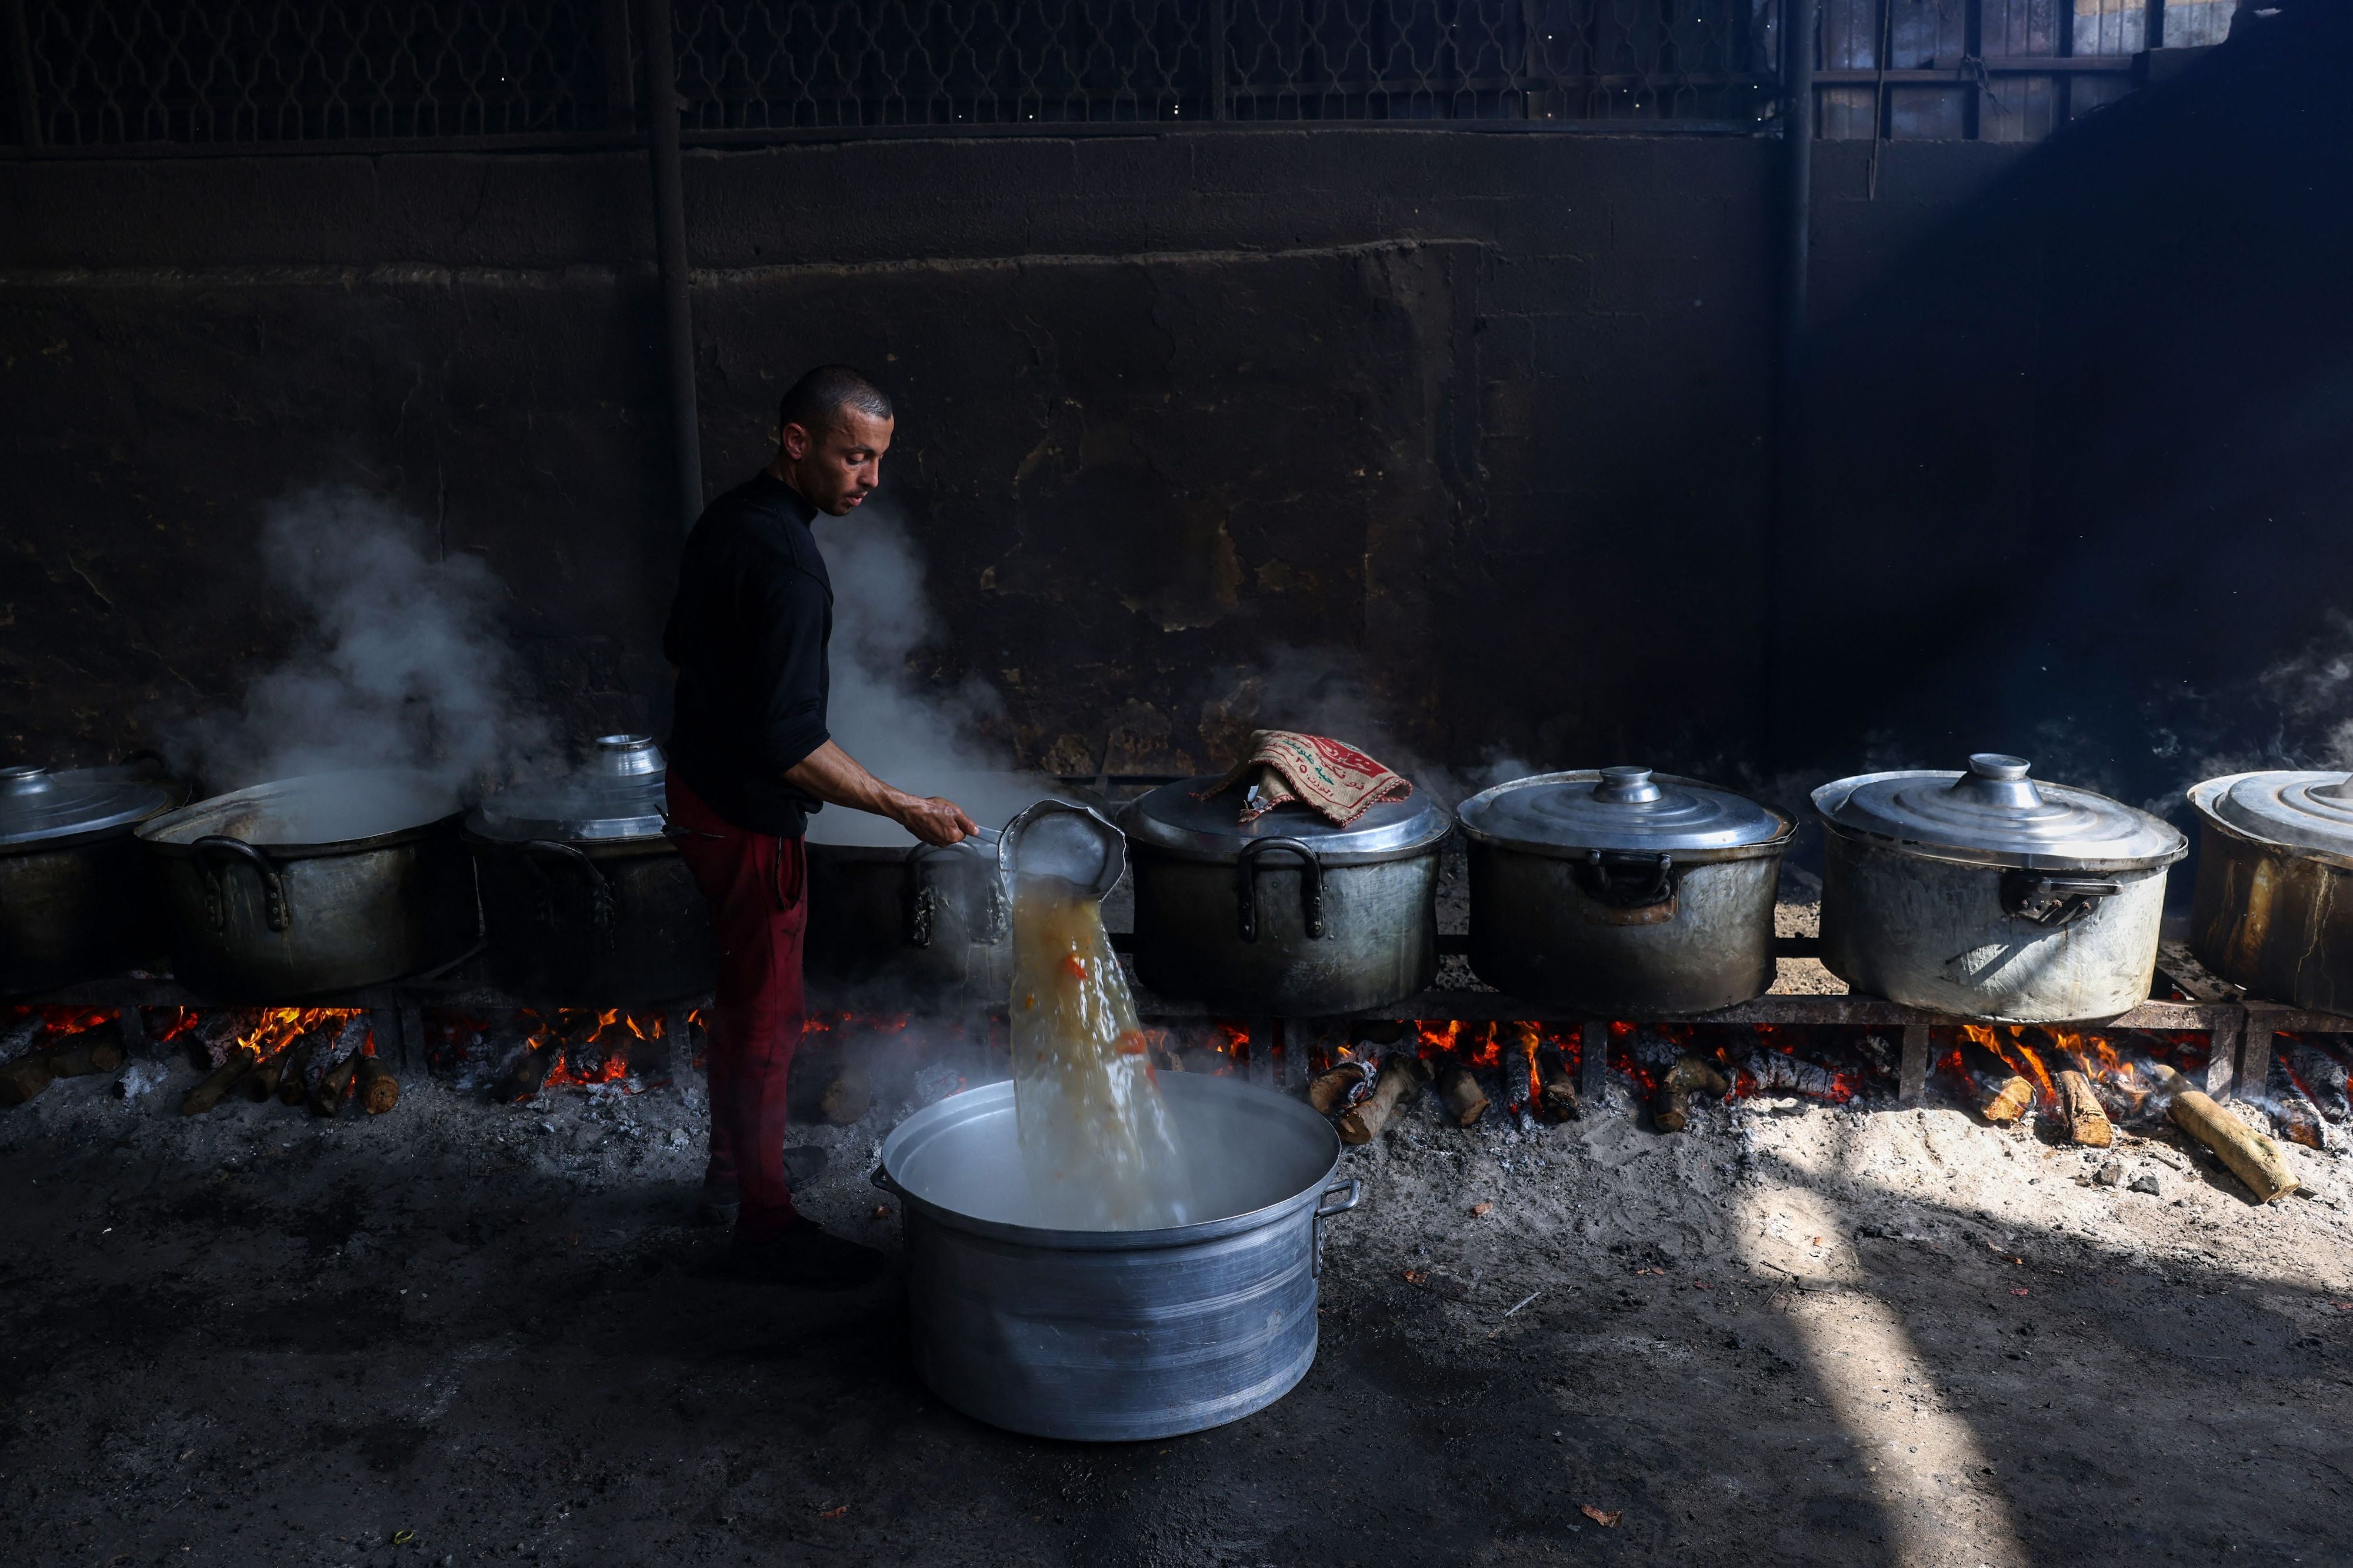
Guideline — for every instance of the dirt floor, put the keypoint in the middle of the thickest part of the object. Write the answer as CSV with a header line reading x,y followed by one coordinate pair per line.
x,y
1794,1333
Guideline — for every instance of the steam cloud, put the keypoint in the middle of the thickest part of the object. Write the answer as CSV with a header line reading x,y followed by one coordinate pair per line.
x,y
402,663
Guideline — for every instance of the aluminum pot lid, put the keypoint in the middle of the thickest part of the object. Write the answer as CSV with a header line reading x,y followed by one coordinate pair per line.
x,y
616,793
1625,809
313,809
1173,817
37,803
2304,811
1996,813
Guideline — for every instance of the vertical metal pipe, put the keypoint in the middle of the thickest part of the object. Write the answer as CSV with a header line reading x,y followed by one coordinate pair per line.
x,y
28,101
619,79
1798,19
670,248
1216,50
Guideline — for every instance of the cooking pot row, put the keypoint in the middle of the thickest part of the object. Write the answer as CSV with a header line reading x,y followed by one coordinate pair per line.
x,y
1615,891
323,884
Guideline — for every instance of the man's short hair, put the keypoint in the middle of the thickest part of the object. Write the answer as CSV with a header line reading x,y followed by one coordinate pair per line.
x,y
816,399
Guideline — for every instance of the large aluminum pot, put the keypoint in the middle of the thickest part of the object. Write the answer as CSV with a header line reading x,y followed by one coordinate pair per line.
x,y
1623,892
73,883
2274,909
315,884
1991,895
1289,914
896,921
1116,1335
585,902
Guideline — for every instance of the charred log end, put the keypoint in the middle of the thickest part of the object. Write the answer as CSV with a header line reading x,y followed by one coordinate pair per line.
x,y
21,1080
530,1071
378,1090
1398,1086
2011,1099
1556,1096
1459,1090
334,1086
1328,1090
1670,1108
208,1091
2087,1121
847,1097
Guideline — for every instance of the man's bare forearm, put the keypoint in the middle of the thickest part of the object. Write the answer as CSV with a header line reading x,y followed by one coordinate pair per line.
x,y
835,777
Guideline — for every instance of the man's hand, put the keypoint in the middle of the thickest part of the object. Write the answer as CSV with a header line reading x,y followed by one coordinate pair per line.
x,y
934,820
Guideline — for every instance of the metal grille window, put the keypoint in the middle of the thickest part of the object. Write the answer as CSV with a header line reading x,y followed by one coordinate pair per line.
x,y
116,72
96,74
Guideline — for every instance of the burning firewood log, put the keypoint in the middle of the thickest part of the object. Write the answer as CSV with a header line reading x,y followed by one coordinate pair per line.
x,y
1459,1090
19,1037
221,1032
522,1079
1556,1098
1331,1092
263,1081
2296,1117
1776,1069
379,1091
2321,1074
92,1051
1401,1079
2251,1157
335,1084
2003,1096
294,1067
1671,1102
2087,1122
208,1091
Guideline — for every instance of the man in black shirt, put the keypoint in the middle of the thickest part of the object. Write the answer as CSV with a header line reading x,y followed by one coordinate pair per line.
x,y
749,758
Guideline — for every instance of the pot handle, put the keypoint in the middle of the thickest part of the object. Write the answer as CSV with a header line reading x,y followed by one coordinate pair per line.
x,y
1311,886
1325,1210
600,889
880,1180
1654,881
212,852
2053,903
923,899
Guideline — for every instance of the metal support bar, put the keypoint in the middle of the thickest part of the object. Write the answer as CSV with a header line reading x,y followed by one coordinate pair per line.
x,y
2222,1063
133,1025
669,248
412,1035
384,1027
1216,43
1593,1062
1912,1080
28,98
620,80
2255,1054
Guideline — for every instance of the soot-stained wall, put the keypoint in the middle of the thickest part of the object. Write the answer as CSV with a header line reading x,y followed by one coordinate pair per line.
x,y
1478,420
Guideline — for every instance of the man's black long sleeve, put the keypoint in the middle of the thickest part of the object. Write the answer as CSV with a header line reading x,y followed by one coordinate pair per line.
x,y
748,633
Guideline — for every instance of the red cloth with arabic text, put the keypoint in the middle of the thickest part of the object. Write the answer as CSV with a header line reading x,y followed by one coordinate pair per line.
x,y
1334,778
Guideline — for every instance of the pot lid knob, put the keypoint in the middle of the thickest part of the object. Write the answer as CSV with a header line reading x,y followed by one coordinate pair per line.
x,y
1626,787
2341,790
24,779
1999,779
628,756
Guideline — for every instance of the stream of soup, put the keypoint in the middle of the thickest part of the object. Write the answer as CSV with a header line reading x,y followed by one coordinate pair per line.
x,y
1096,1140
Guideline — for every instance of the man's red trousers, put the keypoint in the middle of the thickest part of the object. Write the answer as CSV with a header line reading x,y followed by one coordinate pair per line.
x,y
758,888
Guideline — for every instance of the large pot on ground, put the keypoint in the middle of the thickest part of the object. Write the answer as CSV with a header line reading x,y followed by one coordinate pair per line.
x,y
74,901
1116,1335
311,885
1289,914
585,902
894,921
1623,892
2274,908
1991,895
